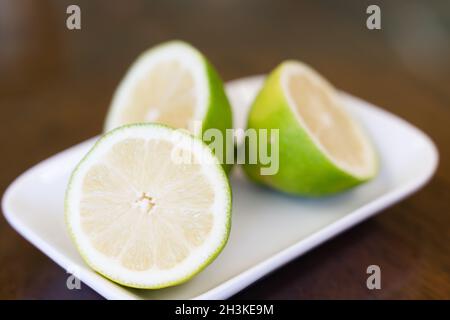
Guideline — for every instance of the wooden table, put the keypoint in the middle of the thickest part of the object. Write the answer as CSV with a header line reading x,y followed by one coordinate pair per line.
x,y
56,84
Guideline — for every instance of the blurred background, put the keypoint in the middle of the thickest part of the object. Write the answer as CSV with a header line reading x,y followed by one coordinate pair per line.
x,y
56,85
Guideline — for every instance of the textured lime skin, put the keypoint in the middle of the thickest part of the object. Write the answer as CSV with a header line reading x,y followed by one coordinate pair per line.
x,y
303,168
219,115
73,236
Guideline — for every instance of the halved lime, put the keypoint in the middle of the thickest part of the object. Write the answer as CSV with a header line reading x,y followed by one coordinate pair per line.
x,y
322,150
139,215
172,84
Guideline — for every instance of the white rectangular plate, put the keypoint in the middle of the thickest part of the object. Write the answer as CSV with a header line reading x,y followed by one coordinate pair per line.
x,y
268,228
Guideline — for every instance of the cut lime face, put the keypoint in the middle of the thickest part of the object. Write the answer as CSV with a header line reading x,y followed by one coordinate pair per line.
x,y
167,84
321,113
322,150
142,218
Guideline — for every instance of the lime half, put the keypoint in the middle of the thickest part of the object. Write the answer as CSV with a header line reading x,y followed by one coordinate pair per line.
x,y
141,217
172,84
322,150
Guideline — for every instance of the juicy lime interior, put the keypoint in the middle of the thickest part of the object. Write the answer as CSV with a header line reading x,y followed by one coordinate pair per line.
x,y
165,94
143,210
319,107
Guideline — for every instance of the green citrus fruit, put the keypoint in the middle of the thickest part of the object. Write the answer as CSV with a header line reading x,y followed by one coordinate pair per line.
x,y
142,216
322,150
172,84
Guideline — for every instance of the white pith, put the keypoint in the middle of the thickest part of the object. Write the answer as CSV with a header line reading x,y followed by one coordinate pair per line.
x,y
198,256
184,55
367,167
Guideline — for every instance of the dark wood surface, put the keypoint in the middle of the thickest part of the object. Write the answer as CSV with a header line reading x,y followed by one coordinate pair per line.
x,y
56,84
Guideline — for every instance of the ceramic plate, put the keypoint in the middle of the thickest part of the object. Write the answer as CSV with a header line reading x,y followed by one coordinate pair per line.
x,y
33,205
